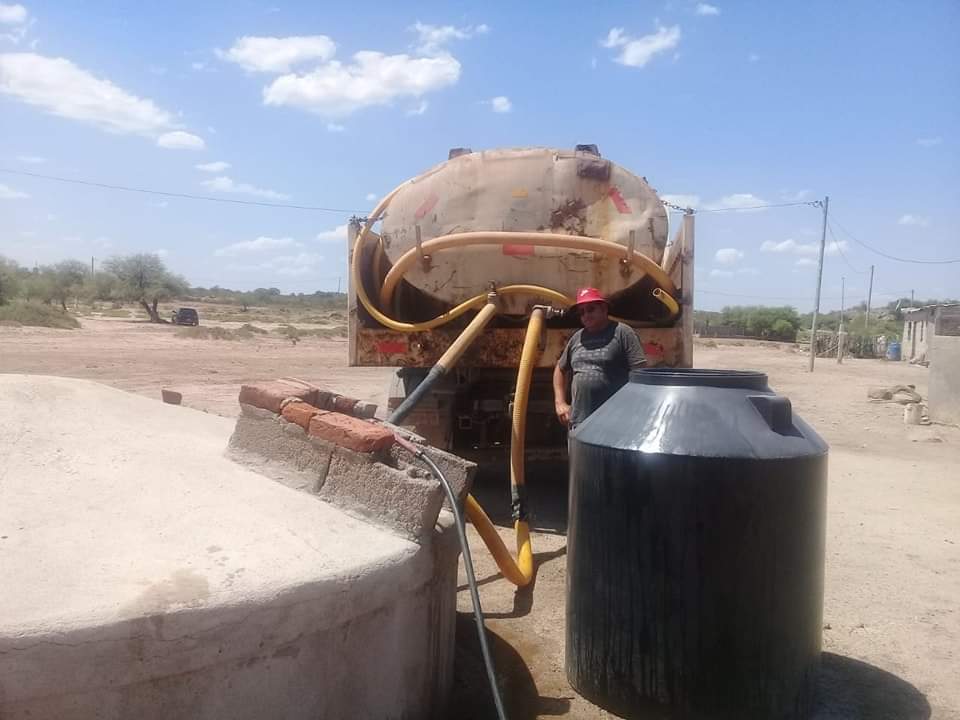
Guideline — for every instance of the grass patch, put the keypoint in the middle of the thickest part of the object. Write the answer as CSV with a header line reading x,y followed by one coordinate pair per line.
x,y
115,313
37,315
248,328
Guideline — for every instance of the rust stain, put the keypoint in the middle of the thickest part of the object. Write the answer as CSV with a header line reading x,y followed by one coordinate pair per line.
x,y
569,217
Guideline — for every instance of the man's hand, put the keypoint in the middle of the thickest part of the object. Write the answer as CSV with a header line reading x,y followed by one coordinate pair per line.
x,y
563,413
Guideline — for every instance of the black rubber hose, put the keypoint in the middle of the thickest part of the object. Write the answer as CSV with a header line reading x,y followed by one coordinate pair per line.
x,y
468,567
413,399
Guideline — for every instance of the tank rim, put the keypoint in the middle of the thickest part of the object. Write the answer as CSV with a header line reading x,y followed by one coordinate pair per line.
x,y
701,377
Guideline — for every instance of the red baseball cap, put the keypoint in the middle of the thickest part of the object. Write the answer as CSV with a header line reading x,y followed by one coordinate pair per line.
x,y
589,295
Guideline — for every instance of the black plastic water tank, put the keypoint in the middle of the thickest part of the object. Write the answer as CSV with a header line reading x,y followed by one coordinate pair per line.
x,y
695,550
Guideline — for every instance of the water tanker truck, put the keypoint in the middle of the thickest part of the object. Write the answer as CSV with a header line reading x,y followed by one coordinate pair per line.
x,y
461,275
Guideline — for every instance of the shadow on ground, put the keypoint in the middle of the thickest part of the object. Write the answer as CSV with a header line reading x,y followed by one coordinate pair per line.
x,y
472,700
853,690
848,689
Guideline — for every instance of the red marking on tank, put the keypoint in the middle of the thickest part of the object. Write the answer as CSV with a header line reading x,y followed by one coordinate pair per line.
x,y
618,201
392,347
518,249
653,348
426,207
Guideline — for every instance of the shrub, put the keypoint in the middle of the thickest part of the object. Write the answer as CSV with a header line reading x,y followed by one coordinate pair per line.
x,y
37,315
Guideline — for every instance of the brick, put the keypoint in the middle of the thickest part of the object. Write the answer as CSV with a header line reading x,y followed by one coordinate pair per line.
x,y
171,397
364,410
350,432
300,413
344,405
271,394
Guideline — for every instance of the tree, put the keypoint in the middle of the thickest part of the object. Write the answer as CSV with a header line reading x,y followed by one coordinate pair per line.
x,y
144,279
9,280
64,281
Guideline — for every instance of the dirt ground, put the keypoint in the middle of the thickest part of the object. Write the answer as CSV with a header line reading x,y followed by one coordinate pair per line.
x,y
892,607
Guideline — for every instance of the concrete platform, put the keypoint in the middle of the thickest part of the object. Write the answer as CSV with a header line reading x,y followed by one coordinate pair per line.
x,y
146,575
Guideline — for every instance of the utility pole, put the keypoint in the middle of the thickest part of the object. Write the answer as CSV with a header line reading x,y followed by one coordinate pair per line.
x,y
91,266
338,284
841,333
911,299
866,319
816,302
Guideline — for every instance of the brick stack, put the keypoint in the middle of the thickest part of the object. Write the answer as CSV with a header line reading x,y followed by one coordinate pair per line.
x,y
337,419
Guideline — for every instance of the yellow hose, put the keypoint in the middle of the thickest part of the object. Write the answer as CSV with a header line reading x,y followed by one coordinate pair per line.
x,y
519,571
667,300
575,242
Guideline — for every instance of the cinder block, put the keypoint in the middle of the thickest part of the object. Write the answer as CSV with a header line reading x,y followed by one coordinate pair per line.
x,y
382,494
350,432
171,397
271,394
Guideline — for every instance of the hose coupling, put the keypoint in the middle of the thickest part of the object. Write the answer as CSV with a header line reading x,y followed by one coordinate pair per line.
x,y
549,311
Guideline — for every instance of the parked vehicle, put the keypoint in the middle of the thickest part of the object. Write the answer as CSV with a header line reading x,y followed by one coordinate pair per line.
x,y
185,316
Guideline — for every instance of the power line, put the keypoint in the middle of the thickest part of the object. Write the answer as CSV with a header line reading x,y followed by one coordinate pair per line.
x,y
894,257
678,208
185,196
840,250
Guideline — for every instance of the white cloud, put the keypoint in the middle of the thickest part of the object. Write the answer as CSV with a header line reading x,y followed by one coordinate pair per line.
x,y
913,220
13,14
805,262
335,128
431,39
637,52
615,38
31,159
227,185
705,9
8,193
728,256
371,197
336,90
929,142
501,104
163,204
748,271
60,88
338,233
198,66
420,109
753,57
180,140
684,201
157,70
740,201
278,55
303,263
161,252
259,245
721,273
811,249
213,167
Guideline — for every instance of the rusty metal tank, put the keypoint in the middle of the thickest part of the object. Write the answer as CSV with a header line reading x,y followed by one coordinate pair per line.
x,y
574,192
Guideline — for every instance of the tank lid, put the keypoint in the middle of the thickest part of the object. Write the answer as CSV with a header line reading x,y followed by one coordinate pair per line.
x,y
745,379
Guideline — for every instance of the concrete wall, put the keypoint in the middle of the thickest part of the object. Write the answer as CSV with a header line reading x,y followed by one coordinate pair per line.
x,y
148,576
944,402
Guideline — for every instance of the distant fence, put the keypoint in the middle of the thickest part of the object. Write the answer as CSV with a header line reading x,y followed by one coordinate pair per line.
x,y
859,346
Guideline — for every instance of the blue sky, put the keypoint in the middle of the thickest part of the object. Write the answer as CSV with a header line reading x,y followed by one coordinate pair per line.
x,y
717,105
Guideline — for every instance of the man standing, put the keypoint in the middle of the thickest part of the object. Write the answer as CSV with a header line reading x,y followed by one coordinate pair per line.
x,y
599,358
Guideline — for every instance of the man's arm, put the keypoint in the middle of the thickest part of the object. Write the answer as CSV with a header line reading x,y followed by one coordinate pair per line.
x,y
632,348
560,381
